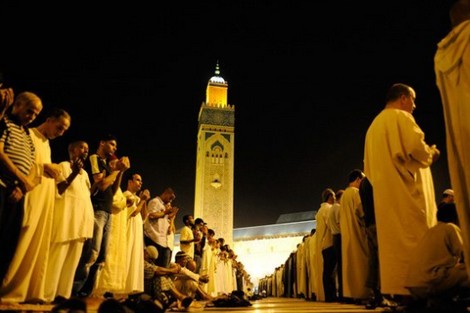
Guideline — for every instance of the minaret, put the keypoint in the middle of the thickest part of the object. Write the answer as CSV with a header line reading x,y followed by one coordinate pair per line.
x,y
215,158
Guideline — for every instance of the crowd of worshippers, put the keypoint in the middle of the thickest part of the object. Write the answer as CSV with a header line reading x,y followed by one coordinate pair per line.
x,y
383,240
86,227
339,260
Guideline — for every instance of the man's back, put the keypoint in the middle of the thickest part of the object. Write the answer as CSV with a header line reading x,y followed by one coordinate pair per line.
x,y
438,250
397,163
452,70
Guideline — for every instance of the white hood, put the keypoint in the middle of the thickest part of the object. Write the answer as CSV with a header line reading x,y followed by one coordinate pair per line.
x,y
450,49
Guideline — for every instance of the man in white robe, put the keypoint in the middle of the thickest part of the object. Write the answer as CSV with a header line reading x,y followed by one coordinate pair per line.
x,y
452,68
135,233
301,270
397,162
310,260
73,221
354,248
26,277
324,246
437,268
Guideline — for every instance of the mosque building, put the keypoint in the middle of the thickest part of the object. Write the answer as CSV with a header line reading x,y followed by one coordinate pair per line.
x,y
260,248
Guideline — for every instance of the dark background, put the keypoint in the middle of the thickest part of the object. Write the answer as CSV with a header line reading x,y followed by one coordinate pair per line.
x,y
306,79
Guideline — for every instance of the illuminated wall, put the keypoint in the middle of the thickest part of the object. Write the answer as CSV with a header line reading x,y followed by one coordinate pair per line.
x,y
261,257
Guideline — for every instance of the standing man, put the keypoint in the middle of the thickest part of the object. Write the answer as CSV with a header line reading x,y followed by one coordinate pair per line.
x,y
157,225
200,233
452,68
72,222
354,248
106,179
333,220
325,260
397,162
26,277
187,239
136,203
376,299
17,158
447,197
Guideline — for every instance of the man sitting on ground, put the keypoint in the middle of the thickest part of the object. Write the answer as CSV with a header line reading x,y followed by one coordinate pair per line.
x,y
436,271
158,282
187,281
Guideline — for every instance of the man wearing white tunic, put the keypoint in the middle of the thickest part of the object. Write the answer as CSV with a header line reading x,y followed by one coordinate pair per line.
x,y
209,259
354,248
301,270
106,176
452,68
333,220
135,233
111,275
310,260
397,162
436,267
324,273
26,276
157,223
73,221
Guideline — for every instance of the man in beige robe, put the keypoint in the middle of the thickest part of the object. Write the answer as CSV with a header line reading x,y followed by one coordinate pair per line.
x,y
452,68
397,162
310,264
354,248
437,269
301,270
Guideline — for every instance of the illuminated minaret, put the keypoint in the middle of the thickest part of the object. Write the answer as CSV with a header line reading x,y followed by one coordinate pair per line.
x,y
215,158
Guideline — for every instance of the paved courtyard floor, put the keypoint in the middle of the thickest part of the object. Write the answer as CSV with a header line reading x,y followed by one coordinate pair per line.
x,y
266,305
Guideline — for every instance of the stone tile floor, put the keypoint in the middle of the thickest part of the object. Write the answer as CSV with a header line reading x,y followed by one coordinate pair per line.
x,y
265,305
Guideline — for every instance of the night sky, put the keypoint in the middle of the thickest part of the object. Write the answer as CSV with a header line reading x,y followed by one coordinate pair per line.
x,y
306,79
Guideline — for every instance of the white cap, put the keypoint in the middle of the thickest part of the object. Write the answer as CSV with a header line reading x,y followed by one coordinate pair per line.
x,y
448,192
152,252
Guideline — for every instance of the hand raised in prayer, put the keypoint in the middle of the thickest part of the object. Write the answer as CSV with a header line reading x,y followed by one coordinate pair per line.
x,y
144,195
52,170
436,153
77,165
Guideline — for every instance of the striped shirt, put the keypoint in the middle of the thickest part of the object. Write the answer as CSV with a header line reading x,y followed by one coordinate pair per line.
x,y
18,146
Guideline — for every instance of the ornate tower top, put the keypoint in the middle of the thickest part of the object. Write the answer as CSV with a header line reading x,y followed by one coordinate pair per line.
x,y
217,79
216,92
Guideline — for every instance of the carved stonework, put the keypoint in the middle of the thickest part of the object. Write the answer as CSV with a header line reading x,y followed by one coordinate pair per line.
x,y
217,116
